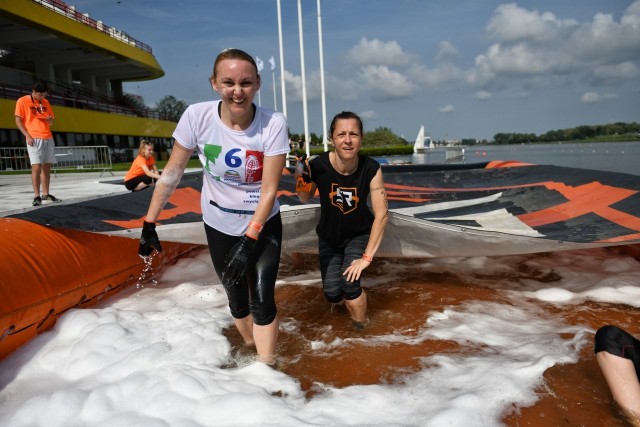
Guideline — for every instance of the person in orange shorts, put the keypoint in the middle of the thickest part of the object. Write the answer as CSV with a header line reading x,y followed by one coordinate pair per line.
x,y
143,172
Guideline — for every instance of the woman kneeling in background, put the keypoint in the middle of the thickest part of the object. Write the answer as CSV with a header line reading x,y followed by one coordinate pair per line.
x,y
143,172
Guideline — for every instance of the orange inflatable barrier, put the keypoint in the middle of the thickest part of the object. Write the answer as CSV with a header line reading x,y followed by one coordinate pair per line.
x,y
46,271
505,164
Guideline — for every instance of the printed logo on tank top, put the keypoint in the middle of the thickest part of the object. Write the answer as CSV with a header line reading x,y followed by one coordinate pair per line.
x,y
345,199
253,166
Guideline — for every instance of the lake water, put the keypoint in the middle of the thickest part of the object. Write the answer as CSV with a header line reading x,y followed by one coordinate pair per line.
x,y
606,156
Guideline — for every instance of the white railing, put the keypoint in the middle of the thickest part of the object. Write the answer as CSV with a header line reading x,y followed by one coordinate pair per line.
x,y
70,11
453,153
69,158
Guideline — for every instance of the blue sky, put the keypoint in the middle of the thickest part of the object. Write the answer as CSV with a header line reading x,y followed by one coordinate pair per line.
x,y
461,68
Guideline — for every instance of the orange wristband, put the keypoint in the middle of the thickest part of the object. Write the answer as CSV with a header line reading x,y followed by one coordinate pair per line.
x,y
255,226
367,258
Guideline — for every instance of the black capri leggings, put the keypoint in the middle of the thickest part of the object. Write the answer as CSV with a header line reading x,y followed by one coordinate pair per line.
x,y
333,263
255,293
619,343
133,182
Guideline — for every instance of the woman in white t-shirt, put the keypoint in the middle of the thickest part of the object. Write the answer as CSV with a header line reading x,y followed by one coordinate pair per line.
x,y
242,149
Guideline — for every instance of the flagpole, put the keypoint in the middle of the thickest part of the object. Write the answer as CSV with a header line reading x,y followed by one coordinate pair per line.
x,y
260,66
322,93
272,62
304,85
284,93
275,98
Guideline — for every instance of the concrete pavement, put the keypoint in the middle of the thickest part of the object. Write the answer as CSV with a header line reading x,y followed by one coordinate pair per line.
x,y
16,192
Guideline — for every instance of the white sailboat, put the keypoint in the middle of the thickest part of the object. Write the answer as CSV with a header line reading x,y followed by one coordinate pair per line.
x,y
421,140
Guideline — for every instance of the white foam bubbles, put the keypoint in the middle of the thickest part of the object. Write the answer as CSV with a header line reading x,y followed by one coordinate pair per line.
x,y
156,357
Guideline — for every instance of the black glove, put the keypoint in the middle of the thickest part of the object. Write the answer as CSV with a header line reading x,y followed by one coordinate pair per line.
x,y
149,240
237,260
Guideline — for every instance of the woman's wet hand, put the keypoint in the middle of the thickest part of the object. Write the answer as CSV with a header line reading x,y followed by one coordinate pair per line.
x,y
353,272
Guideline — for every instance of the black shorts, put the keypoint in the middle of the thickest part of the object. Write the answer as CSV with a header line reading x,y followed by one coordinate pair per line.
x,y
619,343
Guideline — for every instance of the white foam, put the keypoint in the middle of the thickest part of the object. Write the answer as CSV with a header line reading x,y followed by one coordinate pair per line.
x,y
156,356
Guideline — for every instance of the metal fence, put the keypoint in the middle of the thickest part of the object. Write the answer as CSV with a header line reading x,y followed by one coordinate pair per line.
x,y
96,158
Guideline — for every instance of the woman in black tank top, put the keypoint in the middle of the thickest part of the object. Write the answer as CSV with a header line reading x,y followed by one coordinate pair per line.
x,y
349,232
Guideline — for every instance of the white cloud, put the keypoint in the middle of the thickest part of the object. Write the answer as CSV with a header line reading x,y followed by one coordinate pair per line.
x,y
386,83
632,14
590,97
483,95
511,23
368,115
376,52
610,73
335,88
346,90
530,49
606,41
521,59
436,77
446,51
530,43
293,85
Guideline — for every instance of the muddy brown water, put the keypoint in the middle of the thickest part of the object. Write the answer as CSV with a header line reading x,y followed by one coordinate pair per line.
x,y
571,394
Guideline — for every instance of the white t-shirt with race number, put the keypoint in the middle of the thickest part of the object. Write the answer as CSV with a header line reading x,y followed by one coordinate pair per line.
x,y
232,161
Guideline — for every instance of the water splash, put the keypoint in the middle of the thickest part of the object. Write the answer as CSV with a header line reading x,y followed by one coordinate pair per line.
x,y
146,271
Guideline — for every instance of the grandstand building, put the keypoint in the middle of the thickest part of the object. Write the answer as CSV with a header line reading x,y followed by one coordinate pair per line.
x,y
85,63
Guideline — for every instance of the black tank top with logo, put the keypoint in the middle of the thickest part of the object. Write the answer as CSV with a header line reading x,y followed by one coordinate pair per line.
x,y
344,213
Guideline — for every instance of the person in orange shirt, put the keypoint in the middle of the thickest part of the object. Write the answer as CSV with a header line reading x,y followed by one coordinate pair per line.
x,y
34,118
143,172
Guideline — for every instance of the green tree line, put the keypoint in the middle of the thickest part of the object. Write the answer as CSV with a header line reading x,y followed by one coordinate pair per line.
x,y
632,130
380,137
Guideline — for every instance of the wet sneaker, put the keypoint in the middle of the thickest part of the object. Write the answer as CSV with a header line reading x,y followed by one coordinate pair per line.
x,y
37,201
50,199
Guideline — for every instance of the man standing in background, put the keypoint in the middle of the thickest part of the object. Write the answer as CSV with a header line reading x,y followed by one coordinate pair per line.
x,y
34,117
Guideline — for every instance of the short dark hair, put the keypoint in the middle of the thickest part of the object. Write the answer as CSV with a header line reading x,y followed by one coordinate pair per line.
x,y
41,86
344,116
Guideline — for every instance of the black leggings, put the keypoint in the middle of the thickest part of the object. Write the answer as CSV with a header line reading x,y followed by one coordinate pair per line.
x,y
133,182
255,294
333,263
619,343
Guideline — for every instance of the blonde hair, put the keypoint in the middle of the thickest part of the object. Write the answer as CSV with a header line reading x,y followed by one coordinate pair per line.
x,y
143,144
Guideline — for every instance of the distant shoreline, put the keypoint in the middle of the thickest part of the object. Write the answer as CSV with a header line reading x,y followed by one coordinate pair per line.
x,y
604,138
